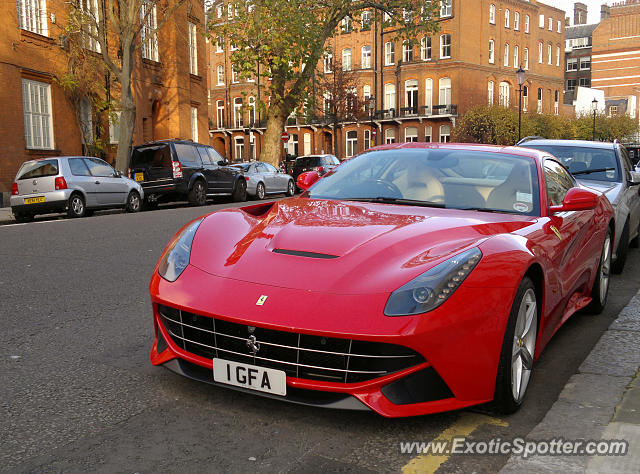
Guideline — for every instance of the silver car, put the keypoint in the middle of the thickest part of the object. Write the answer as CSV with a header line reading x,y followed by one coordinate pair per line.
x,y
264,178
605,167
76,185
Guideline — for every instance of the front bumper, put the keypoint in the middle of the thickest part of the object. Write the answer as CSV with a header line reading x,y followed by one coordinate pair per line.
x,y
55,201
460,343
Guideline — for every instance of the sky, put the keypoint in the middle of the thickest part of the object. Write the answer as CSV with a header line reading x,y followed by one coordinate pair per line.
x,y
593,8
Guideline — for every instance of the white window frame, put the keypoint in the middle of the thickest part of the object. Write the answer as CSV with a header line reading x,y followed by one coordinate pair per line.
x,y
580,63
558,56
556,103
413,137
410,86
193,48
516,56
220,75
238,119
444,91
490,87
194,123
507,19
506,55
492,51
346,59
251,105
389,53
541,21
407,52
389,96
38,121
559,30
526,23
444,45
425,48
389,136
366,139
114,127
446,8
328,63
89,9
366,19
516,21
526,59
428,134
492,14
149,40
238,148
445,133
366,57
504,92
549,54
32,16
550,23
540,94
525,98
366,92
351,143
428,95
540,52
220,113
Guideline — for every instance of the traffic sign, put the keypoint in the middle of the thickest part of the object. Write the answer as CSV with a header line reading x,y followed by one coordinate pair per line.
x,y
284,136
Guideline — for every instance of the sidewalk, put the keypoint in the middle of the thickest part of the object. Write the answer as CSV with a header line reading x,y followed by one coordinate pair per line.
x,y
601,401
6,215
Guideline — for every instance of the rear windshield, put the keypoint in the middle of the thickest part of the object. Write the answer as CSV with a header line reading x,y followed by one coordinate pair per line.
x,y
244,167
38,169
157,156
308,161
597,164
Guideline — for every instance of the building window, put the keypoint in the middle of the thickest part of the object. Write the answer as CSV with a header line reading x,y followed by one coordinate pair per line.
x,y
194,124
389,53
540,54
407,52
425,48
526,59
220,113
366,139
428,95
366,20
252,111
556,103
220,75
89,8
541,21
490,93
572,64
411,134
114,127
492,52
237,112
526,23
411,95
389,96
506,18
328,62
444,85
366,57
346,25
428,134
352,143
549,54
559,23
219,48
584,82
234,75
193,50
506,54
328,103
148,35
445,133
366,92
539,100
550,24
504,94
516,21
585,63
516,58
346,59
525,98
571,84
613,110
389,136
36,103
446,8
32,16
239,148
558,56
445,46
492,14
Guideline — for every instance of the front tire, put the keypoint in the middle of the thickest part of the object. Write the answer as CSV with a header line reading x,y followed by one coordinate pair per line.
x,y
518,350
133,202
260,191
198,194
77,207
291,188
600,289
240,191
621,255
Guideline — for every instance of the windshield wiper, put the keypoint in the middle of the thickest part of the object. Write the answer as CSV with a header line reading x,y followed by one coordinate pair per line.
x,y
391,200
599,170
489,209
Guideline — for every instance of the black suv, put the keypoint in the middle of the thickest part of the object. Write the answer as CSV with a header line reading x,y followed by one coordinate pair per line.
x,y
319,163
175,170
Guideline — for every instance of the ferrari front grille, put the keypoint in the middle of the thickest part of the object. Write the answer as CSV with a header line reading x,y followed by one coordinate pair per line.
x,y
299,355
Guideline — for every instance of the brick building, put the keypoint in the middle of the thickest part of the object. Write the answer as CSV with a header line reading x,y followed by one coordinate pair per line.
x,y
615,65
37,119
417,91
578,41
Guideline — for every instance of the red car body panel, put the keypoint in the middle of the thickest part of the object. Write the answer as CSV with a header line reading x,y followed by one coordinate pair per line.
x,y
377,249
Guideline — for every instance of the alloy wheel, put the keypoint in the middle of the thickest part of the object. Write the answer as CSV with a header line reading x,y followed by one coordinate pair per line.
x,y
605,268
524,345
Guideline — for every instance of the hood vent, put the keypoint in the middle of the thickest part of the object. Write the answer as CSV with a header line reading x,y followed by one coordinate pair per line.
x,y
301,253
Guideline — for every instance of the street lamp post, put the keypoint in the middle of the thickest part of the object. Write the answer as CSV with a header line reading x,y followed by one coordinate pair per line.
x,y
520,76
594,107
371,106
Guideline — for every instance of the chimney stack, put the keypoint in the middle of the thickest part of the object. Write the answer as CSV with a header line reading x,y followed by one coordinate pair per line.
x,y
579,13
605,12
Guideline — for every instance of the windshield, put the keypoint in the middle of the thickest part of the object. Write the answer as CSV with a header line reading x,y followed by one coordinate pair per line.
x,y
450,178
308,161
243,167
38,169
585,162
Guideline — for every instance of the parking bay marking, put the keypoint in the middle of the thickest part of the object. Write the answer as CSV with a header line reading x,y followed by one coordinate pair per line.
x,y
463,427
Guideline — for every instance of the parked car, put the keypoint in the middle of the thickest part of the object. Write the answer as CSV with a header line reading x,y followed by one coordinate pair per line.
x,y
77,185
264,178
177,170
319,163
607,168
408,281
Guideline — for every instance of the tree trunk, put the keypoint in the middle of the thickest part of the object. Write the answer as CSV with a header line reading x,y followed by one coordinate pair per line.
x,y
128,113
271,142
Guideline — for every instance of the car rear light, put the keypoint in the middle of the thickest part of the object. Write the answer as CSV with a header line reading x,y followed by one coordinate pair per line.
x,y
247,178
319,169
14,189
177,169
60,183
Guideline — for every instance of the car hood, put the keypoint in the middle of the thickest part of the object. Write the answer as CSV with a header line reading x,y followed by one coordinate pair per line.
x,y
609,189
337,246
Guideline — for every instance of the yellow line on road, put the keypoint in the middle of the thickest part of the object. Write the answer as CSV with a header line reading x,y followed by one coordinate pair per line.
x,y
464,426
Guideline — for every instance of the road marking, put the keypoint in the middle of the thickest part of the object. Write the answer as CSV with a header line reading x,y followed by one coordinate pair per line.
x,y
463,427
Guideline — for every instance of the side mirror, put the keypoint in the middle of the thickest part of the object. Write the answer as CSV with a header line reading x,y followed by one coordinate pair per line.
x,y
635,178
577,199
223,163
117,174
306,180
320,170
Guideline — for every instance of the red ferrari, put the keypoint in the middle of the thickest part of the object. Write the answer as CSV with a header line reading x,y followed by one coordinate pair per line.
x,y
412,279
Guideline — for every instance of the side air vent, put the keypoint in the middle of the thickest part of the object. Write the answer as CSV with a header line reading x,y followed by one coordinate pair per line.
x,y
300,253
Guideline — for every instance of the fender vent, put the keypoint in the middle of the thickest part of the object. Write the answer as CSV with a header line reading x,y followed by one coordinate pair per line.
x,y
300,253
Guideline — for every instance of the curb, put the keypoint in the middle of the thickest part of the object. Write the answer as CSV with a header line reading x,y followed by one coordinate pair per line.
x,y
591,404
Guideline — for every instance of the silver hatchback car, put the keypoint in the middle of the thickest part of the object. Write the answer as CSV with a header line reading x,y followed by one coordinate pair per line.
x,y
264,178
76,185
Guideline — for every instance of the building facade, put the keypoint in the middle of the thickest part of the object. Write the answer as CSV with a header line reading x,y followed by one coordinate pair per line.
x,y
578,42
615,61
408,91
37,118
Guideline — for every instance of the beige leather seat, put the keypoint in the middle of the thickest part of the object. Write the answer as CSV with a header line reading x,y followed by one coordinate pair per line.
x,y
505,195
423,185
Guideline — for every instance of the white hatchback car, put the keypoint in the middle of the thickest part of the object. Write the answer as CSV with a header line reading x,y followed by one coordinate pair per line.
x,y
76,185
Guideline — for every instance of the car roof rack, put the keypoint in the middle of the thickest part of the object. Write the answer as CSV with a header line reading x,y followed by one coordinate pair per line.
x,y
529,138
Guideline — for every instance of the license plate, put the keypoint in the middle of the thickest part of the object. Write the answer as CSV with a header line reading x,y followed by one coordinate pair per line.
x,y
34,200
139,176
250,376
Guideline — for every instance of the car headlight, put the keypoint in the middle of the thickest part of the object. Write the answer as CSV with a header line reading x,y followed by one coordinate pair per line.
x,y
176,256
429,290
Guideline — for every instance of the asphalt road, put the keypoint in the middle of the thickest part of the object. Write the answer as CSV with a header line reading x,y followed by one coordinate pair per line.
x,y
78,392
